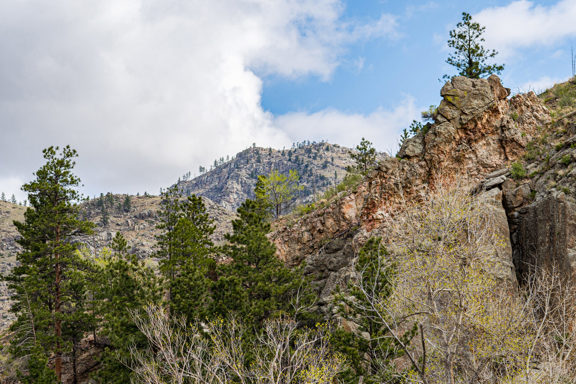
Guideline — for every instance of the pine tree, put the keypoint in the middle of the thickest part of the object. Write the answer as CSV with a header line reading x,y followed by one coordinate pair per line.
x,y
123,284
469,56
13,199
43,281
254,283
365,156
3,196
127,204
185,252
369,355
104,216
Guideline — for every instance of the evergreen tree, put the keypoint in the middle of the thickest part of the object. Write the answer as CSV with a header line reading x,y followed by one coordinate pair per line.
x,y
127,204
123,285
365,156
79,318
469,56
254,283
42,283
3,196
13,199
185,252
370,350
104,216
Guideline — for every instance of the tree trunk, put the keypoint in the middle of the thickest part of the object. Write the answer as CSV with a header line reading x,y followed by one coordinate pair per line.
x,y
57,320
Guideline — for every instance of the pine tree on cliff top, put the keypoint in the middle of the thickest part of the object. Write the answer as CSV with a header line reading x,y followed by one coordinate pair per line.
x,y
469,56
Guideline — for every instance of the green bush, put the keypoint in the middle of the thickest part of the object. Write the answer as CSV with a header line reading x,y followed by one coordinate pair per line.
x,y
566,159
517,170
305,209
350,181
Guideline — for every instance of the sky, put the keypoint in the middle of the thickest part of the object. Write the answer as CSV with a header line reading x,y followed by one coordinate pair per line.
x,y
147,90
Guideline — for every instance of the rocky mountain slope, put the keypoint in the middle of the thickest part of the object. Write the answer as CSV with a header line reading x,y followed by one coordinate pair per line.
x,y
138,224
516,154
320,165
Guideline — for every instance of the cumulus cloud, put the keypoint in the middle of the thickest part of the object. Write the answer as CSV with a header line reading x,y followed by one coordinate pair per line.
x,y
146,90
539,85
382,127
523,24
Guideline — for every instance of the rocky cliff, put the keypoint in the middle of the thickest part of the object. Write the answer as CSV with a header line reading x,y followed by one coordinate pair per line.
x,y
478,135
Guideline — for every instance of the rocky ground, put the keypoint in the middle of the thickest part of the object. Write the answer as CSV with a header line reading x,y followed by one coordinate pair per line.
x,y
8,248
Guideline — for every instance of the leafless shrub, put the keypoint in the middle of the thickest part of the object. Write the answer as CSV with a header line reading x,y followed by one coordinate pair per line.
x,y
471,324
216,353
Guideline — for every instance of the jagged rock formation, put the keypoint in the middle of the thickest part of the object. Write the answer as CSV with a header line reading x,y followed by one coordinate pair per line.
x,y
539,193
320,165
477,131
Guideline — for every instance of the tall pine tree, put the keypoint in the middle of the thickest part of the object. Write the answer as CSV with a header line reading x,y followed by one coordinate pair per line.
x,y
185,252
254,283
43,282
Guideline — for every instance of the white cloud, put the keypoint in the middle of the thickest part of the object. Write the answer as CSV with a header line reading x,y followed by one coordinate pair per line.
x,y
382,127
148,89
539,85
11,186
523,24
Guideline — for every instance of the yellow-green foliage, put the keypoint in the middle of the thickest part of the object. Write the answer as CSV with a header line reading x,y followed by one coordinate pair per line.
x,y
351,180
517,170
446,253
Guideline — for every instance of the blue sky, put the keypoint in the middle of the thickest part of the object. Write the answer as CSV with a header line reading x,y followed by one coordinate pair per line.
x,y
410,63
147,90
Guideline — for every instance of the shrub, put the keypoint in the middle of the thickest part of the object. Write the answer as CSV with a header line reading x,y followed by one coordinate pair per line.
x,y
517,170
566,159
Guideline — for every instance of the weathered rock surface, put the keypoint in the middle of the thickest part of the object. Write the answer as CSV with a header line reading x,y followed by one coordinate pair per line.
x,y
546,235
138,225
478,131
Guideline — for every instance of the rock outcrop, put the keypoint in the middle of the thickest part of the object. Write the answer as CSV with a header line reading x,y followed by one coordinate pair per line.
x,y
477,131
